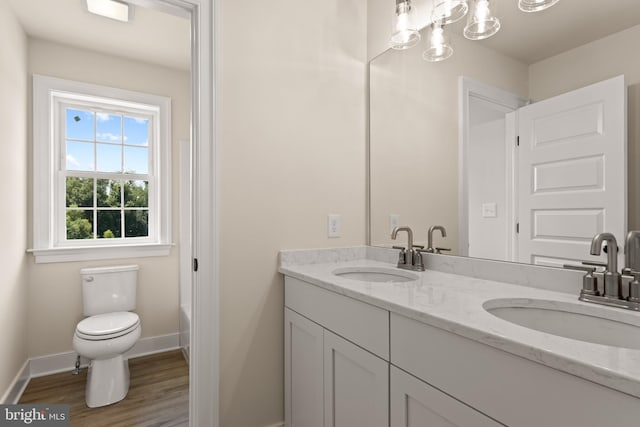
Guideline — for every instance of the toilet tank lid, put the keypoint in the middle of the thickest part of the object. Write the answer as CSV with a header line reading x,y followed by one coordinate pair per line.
x,y
110,269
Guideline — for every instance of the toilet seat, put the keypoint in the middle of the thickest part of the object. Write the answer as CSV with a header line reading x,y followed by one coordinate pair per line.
x,y
107,326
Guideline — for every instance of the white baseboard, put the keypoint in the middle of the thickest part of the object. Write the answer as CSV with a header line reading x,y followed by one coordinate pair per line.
x,y
61,362
19,383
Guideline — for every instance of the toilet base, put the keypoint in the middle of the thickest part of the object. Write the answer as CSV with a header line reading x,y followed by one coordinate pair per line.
x,y
107,381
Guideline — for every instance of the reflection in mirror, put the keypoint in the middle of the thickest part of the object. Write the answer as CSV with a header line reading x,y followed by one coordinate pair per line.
x,y
424,171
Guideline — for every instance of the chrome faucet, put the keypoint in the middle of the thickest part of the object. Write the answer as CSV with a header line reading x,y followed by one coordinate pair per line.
x,y
612,284
618,290
430,247
409,258
632,264
632,252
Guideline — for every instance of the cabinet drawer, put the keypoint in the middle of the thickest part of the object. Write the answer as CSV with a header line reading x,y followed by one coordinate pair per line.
x,y
506,387
361,323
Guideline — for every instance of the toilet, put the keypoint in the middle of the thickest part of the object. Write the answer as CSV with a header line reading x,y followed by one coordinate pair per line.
x,y
109,330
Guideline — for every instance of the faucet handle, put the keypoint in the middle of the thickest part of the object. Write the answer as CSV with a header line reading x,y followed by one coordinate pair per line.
x,y
589,282
590,263
402,256
419,246
439,250
589,270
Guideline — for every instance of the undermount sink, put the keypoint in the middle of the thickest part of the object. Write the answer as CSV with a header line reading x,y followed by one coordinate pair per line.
x,y
375,274
575,321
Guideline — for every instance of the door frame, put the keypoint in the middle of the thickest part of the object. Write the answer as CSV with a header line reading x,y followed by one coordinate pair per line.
x,y
204,329
468,88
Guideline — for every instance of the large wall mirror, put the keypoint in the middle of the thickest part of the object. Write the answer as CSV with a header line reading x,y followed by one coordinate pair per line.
x,y
443,147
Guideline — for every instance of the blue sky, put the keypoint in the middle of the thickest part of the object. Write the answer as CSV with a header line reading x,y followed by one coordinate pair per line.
x,y
103,150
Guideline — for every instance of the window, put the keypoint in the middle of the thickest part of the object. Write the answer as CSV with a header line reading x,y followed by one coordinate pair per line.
x,y
101,172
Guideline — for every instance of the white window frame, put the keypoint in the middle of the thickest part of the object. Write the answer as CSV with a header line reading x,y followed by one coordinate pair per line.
x,y
50,95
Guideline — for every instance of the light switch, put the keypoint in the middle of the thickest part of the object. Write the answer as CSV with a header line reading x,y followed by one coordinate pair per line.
x,y
489,210
394,221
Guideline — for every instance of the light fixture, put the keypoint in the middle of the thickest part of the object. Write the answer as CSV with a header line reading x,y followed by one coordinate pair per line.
x,y
438,46
481,23
112,9
405,32
448,11
535,5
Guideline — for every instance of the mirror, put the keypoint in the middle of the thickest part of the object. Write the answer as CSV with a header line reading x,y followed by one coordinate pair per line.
x,y
415,161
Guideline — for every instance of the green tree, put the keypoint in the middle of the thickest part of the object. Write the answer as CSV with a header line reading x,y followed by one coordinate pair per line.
x,y
78,226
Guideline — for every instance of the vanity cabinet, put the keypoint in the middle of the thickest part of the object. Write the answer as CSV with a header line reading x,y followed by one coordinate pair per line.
x,y
335,373
415,403
349,364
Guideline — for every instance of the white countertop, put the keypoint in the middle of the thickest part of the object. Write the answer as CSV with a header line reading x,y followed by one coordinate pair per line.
x,y
455,303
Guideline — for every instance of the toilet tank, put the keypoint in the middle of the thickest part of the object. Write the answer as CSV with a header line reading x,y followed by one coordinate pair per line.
x,y
109,289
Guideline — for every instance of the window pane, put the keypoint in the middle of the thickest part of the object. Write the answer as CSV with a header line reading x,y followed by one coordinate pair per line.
x,y
109,158
136,223
79,224
80,156
108,128
136,160
136,131
79,124
79,192
108,193
109,224
136,194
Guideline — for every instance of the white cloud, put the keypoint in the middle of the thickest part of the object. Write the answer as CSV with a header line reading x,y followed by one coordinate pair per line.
x,y
139,121
107,136
102,117
73,161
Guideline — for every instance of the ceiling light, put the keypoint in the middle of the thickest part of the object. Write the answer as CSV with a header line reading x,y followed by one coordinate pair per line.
x,y
482,23
405,32
535,5
438,46
110,9
448,11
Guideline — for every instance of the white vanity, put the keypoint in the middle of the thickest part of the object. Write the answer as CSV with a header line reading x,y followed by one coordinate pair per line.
x,y
434,349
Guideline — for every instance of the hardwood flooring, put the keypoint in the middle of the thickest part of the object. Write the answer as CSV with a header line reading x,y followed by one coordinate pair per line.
x,y
158,395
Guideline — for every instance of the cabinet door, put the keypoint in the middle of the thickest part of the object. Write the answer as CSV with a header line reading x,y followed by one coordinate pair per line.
x,y
356,385
303,352
416,404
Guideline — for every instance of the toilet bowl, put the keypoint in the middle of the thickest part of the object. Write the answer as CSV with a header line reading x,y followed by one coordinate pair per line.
x,y
104,339
109,331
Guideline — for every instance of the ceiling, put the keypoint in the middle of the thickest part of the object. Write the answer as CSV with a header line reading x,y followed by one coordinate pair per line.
x,y
152,36
163,39
530,37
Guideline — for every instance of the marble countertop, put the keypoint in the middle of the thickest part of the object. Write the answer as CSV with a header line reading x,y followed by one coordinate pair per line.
x,y
455,303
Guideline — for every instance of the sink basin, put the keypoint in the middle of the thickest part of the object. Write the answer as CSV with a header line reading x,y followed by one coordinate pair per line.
x,y
375,274
575,321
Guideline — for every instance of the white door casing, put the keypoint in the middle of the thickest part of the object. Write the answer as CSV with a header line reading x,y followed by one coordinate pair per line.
x,y
572,179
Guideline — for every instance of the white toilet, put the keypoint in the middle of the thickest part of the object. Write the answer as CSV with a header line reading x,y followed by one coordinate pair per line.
x,y
111,329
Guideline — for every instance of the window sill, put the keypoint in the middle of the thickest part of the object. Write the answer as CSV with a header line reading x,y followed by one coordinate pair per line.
x,y
89,253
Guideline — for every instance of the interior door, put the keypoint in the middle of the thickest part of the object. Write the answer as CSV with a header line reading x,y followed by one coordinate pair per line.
x,y
572,179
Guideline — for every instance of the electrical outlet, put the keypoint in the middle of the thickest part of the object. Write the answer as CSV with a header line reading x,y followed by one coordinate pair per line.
x,y
394,221
334,225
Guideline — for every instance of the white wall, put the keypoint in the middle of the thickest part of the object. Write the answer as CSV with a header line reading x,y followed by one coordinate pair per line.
x,y
608,57
292,135
55,303
414,134
13,193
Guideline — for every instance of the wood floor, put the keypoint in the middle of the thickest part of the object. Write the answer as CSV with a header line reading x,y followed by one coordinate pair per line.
x,y
158,394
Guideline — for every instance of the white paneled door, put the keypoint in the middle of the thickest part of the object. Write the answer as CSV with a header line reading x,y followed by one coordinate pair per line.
x,y
572,173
